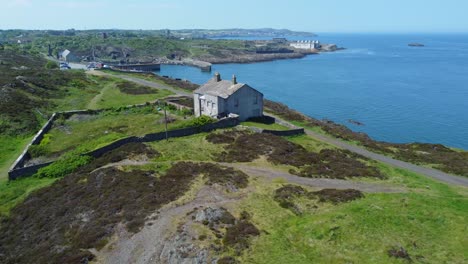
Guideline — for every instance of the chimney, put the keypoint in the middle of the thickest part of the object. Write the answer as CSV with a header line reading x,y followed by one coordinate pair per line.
x,y
217,77
234,79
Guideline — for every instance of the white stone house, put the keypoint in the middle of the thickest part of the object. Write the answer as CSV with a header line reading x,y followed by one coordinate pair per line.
x,y
219,98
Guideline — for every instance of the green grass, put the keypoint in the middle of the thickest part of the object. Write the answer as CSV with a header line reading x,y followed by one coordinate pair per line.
x,y
101,130
273,126
111,96
14,192
10,148
430,226
144,76
310,143
194,148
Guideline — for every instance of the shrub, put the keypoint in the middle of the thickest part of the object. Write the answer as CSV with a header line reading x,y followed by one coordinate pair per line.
x,y
197,122
51,65
65,165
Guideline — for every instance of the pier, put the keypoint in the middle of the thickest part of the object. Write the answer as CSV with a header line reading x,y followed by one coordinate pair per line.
x,y
147,67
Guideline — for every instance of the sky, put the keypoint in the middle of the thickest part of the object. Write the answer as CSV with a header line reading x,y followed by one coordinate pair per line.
x,y
376,16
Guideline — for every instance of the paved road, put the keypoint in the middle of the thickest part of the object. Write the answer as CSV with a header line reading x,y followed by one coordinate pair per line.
x,y
143,82
432,173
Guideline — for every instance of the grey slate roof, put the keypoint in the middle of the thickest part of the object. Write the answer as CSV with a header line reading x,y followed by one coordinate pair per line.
x,y
222,88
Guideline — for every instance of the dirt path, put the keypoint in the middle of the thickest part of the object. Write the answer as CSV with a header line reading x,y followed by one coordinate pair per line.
x,y
431,173
93,103
272,174
314,182
143,82
149,245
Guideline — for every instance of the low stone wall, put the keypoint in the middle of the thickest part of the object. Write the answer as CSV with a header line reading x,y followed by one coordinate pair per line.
x,y
21,160
17,172
284,133
26,171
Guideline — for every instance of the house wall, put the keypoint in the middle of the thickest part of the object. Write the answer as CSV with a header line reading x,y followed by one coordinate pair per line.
x,y
243,103
196,104
208,106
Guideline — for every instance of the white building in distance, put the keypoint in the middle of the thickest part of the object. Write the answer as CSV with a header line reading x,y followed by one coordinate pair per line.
x,y
306,44
219,98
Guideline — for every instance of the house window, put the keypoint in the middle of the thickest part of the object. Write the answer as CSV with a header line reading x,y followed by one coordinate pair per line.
x,y
236,102
256,99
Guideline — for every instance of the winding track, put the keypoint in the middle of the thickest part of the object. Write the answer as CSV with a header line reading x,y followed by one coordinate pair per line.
x,y
431,173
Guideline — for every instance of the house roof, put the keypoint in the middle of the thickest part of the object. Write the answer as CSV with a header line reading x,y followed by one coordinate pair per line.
x,y
221,88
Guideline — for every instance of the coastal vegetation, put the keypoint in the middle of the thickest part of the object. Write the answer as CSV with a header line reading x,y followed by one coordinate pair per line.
x,y
231,196
275,218
434,155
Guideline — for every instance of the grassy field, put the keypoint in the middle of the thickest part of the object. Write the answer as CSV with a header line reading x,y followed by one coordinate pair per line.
x,y
427,218
112,96
92,131
191,148
430,226
10,148
273,126
14,192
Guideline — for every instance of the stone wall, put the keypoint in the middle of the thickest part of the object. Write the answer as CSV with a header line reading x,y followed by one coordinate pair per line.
x,y
19,171
284,133
20,161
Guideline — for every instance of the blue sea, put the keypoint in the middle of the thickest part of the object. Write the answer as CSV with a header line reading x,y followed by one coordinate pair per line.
x,y
400,93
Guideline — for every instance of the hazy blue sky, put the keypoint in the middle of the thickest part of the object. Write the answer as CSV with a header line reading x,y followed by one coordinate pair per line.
x,y
308,15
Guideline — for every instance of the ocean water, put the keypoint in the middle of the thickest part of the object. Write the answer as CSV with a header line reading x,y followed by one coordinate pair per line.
x,y
400,93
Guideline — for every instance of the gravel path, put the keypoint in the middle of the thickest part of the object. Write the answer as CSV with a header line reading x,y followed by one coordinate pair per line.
x,y
431,173
150,244
314,182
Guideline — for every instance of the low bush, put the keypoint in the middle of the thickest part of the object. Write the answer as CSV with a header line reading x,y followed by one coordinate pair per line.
x,y
238,236
65,165
196,122
51,65
333,163
336,196
82,210
445,159
225,176
135,89
287,196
